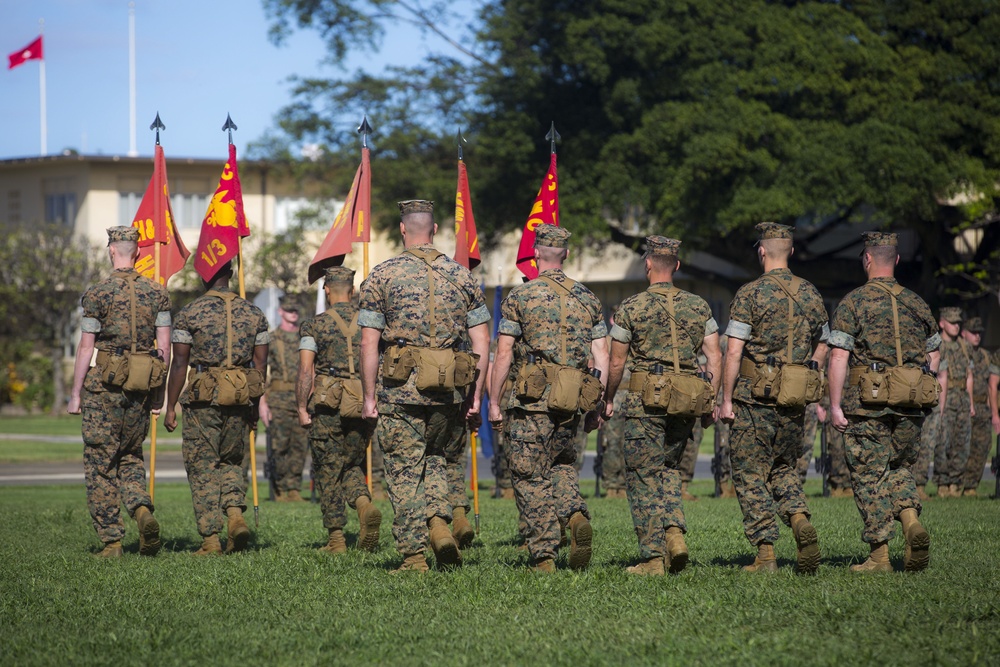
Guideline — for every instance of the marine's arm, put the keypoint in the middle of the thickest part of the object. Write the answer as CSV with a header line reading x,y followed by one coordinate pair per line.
x,y
84,351
369,369
178,372
734,354
304,385
616,369
501,367
162,343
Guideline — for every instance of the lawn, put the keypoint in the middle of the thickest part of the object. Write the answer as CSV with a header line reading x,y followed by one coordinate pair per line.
x,y
285,603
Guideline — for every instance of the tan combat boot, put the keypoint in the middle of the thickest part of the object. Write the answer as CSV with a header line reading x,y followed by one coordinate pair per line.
x,y
677,549
970,493
806,542
563,539
294,496
654,567
149,532
110,550
728,490
239,531
765,560
685,494
506,494
445,547
581,540
461,529
921,493
545,565
210,546
337,544
943,491
370,519
413,563
917,554
878,560
954,490
279,496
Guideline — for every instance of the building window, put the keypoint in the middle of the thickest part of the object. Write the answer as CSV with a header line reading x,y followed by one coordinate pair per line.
x,y
60,208
128,206
189,210
13,207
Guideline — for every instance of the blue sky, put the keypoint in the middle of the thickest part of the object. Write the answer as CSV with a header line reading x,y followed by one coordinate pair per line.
x,y
196,61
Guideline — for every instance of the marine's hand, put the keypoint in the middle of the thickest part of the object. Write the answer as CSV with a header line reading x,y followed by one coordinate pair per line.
x,y
821,414
170,420
496,417
608,412
726,413
73,407
265,413
369,410
837,418
996,425
972,410
304,418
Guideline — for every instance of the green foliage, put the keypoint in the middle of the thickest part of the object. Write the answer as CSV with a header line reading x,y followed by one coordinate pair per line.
x,y
283,602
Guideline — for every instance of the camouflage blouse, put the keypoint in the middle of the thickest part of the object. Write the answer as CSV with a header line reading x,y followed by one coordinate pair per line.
x,y
322,336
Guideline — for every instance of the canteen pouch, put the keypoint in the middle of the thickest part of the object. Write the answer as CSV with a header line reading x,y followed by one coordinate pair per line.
x,y
930,391
145,372
530,383
435,369
904,386
231,387
567,383
766,382
327,393
255,382
397,363
874,389
689,396
202,386
352,400
114,372
656,391
798,385
465,369
590,392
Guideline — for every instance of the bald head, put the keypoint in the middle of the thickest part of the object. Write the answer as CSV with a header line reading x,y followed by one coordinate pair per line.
x,y
123,253
418,224
882,255
780,249
551,255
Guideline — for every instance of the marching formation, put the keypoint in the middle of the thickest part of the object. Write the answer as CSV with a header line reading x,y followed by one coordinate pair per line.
x,y
408,363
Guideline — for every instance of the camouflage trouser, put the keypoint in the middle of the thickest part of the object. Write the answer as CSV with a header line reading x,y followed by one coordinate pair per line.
x,y
501,466
689,457
414,441
726,473
653,449
338,453
956,434
457,457
114,426
840,475
378,461
580,443
930,437
289,443
880,452
215,449
766,443
979,446
542,455
809,427
613,464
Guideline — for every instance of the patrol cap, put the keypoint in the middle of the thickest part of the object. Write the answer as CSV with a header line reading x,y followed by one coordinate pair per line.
x,y
873,239
550,236
122,233
415,206
338,274
289,303
772,230
974,325
661,245
952,314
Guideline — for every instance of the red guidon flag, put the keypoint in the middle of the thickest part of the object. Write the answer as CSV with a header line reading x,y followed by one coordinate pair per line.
x,y
466,238
224,223
32,51
155,222
351,225
544,211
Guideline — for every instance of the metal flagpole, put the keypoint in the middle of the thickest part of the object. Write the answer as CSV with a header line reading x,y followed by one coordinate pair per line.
x,y
364,129
132,151
41,94
157,125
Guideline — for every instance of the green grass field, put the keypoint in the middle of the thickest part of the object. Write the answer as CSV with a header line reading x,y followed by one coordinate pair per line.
x,y
284,603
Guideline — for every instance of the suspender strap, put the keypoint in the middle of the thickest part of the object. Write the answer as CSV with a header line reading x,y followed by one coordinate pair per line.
x,y
280,344
893,293
428,255
348,332
129,280
564,292
796,281
227,297
668,295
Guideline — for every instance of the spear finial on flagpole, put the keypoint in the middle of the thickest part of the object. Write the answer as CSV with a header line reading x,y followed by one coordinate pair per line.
x,y
553,136
461,140
364,130
157,125
230,125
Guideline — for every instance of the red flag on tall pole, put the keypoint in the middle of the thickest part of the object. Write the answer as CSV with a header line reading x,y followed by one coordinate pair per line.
x,y
466,237
32,51
224,224
352,224
155,222
544,211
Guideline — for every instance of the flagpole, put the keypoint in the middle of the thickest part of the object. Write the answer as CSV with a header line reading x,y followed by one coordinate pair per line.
x,y
132,151
363,130
41,95
157,125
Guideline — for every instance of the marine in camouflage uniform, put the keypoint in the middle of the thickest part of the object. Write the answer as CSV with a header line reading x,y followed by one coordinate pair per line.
x,y
809,427
541,444
980,439
339,444
613,463
416,429
881,441
116,422
215,439
930,437
765,440
689,459
660,330
288,439
951,455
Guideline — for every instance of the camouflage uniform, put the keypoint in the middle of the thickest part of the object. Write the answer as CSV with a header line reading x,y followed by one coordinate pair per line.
x,y
338,444
882,442
930,437
613,464
215,438
809,427
765,440
952,453
417,430
541,447
288,439
982,426
655,442
115,423
689,458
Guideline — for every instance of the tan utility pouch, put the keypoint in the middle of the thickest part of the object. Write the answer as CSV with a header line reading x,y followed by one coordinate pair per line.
x,y
465,368
930,391
567,383
231,386
874,387
353,399
114,370
397,363
327,392
201,386
690,396
530,383
145,372
656,391
905,390
798,385
590,392
435,369
765,383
